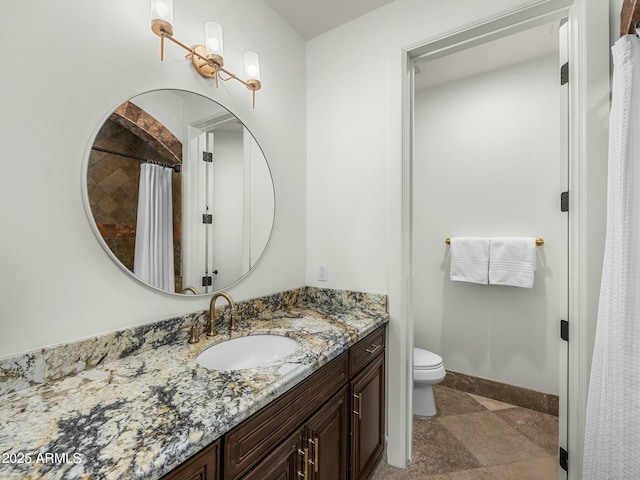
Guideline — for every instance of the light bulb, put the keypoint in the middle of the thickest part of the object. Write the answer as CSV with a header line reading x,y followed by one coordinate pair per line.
x,y
251,66
213,44
162,10
213,38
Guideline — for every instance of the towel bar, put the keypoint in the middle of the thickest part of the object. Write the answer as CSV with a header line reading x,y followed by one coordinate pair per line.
x,y
539,241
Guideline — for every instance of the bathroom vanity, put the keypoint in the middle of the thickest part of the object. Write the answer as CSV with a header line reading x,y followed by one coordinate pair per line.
x,y
155,413
330,425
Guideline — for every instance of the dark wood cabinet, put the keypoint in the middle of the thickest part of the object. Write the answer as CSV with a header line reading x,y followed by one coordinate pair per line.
x,y
318,450
202,466
367,420
249,442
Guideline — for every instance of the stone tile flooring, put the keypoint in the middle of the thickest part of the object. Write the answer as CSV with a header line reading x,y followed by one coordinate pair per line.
x,y
476,438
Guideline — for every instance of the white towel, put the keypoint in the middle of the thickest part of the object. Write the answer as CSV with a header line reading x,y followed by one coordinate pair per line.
x,y
470,260
512,261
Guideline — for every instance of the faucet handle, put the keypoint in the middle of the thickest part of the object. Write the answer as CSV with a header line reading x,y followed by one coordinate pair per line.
x,y
194,335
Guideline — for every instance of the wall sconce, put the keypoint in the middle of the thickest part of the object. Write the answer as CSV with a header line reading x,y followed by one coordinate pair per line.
x,y
207,59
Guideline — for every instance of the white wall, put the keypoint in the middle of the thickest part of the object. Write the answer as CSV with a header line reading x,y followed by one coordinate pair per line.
x,y
354,165
354,160
353,80
227,206
77,61
487,162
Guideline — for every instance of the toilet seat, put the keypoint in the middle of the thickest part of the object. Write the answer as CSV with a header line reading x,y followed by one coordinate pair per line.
x,y
427,366
425,360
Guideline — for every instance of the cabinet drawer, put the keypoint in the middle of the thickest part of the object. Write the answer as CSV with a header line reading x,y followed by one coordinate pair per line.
x,y
255,437
363,352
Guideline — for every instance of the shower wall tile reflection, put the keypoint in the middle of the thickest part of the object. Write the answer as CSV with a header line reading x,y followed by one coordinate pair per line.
x,y
113,192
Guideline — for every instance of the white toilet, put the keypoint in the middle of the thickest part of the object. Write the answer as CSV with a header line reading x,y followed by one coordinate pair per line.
x,y
428,370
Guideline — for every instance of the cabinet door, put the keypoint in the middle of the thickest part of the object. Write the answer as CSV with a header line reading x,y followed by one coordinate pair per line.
x,y
367,419
203,466
327,436
283,463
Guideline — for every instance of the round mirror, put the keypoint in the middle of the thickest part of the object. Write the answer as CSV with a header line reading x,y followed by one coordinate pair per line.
x,y
179,192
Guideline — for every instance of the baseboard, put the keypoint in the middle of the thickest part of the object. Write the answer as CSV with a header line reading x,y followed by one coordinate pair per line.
x,y
503,392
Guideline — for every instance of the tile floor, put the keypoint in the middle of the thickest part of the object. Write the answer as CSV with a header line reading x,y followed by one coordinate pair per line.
x,y
476,438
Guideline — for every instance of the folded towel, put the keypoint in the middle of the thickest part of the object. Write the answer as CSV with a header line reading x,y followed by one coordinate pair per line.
x,y
512,261
470,260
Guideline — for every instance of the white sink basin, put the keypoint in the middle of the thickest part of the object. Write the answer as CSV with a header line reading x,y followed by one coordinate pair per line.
x,y
247,352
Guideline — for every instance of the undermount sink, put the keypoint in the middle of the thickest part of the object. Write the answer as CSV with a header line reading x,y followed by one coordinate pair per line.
x,y
247,352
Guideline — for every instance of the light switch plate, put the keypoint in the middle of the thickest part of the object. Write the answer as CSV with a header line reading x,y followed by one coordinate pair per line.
x,y
322,272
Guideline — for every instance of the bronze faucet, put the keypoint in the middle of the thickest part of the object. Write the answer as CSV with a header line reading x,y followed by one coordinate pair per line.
x,y
212,313
191,289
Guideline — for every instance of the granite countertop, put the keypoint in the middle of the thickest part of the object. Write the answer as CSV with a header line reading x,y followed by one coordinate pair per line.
x,y
142,415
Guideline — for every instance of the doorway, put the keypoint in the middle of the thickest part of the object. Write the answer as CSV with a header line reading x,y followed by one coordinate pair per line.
x,y
489,158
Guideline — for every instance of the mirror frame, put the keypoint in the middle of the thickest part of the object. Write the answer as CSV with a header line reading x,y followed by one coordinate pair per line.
x,y
94,225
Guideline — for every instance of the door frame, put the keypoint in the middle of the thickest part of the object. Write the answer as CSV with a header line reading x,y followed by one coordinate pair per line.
x,y
588,132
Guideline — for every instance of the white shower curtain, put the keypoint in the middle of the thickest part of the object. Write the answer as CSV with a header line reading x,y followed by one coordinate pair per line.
x,y
612,438
153,261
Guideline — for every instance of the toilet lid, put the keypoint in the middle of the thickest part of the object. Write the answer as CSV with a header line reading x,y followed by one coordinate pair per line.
x,y
425,360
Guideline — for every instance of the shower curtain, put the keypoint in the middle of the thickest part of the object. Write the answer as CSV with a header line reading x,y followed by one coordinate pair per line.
x,y
153,261
612,437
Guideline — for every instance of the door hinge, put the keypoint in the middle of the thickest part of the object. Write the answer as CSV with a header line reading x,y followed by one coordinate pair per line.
x,y
207,280
207,156
564,74
564,459
207,218
564,330
564,202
